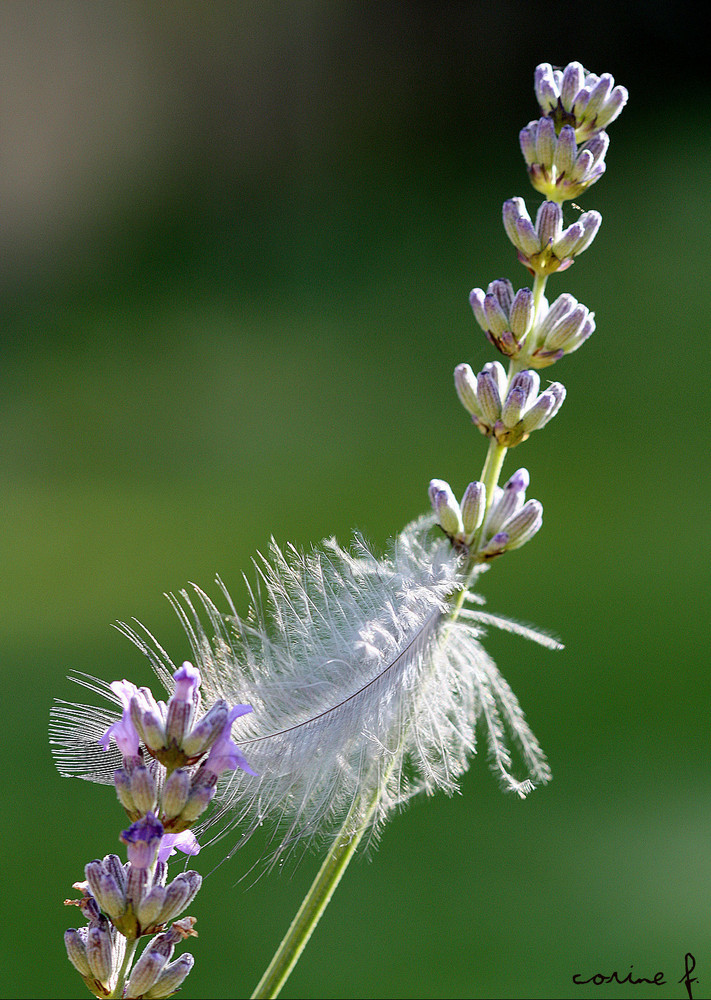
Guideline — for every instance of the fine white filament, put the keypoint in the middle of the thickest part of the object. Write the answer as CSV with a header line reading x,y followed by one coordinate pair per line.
x,y
365,689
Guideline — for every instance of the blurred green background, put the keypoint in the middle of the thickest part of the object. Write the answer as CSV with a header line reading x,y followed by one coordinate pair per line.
x,y
237,243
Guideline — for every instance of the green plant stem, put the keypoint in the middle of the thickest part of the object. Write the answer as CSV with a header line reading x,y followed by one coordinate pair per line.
x,y
315,902
125,969
347,841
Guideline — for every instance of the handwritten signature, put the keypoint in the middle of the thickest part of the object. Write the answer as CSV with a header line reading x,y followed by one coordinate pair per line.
x,y
600,978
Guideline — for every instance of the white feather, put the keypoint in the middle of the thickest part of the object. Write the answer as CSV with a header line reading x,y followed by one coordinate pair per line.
x,y
364,691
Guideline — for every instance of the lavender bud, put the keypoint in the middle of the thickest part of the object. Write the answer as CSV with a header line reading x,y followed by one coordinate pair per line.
x,y
495,546
564,247
521,313
557,311
143,789
476,301
527,239
148,719
496,319
137,885
599,96
514,211
149,908
446,507
93,872
590,221
171,978
524,525
502,290
75,944
180,894
465,384
510,501
473,507
549,222
613,106
572,83
111,897
175,792
113,866
567,329
546,141
204,734
565,151
496,370
488,395
146,971
545,87
183,704
200,797
556,390
122,784
177,723
513,407
527,140
99,950
539,414
524,386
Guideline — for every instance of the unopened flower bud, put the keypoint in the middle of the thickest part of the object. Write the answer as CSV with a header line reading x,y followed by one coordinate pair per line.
x,y
150,906
508,501
496,545
524,386
487,392
465,384
170,978
146,971
473,507
175,792
75,943
446,507
524,525
122,784
180,894
148,716
111,897
143,789
204,734
99,950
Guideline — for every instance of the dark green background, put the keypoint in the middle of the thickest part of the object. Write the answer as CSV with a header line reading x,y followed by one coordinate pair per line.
x,y
237,244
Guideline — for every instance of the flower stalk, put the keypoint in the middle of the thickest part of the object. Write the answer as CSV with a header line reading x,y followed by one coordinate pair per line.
x,y
563,172
364,676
